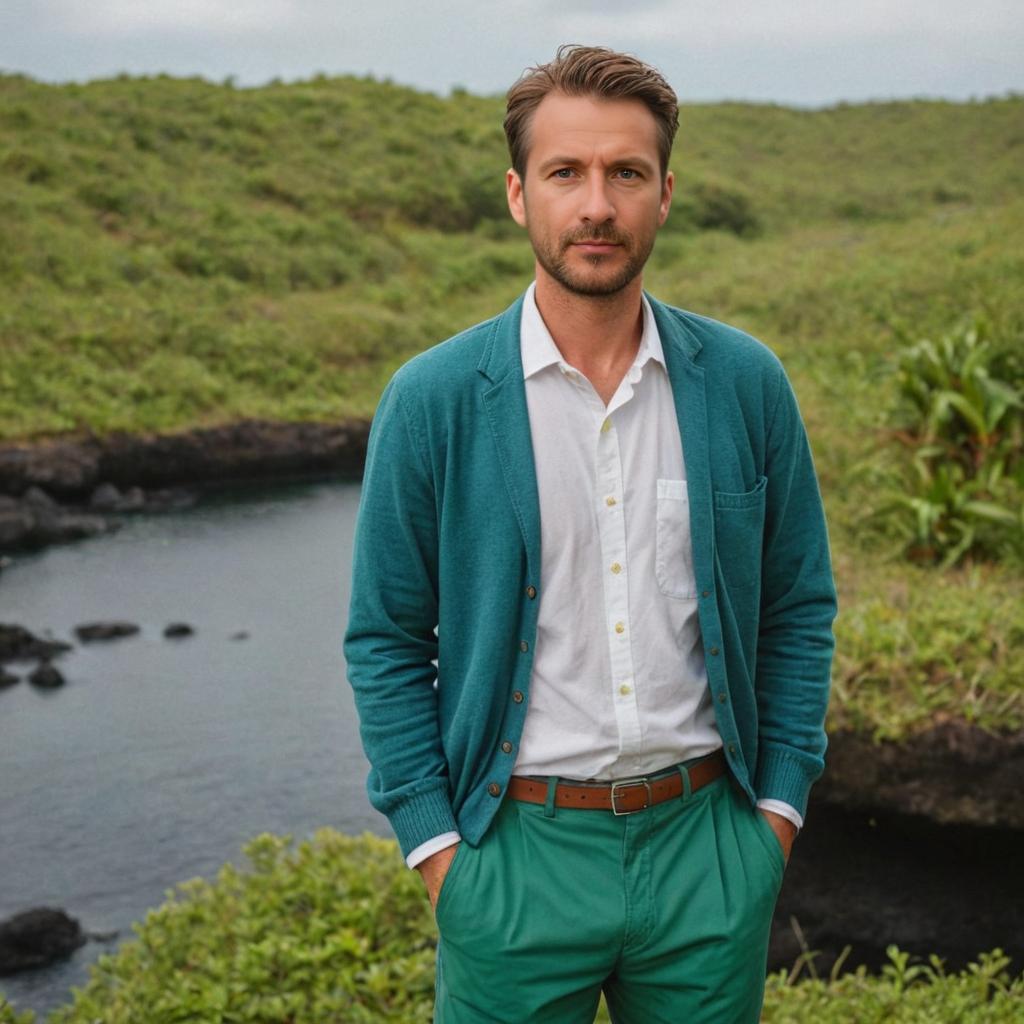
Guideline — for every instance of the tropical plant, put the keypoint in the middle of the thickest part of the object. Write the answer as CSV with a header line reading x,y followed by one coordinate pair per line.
x,y
961,491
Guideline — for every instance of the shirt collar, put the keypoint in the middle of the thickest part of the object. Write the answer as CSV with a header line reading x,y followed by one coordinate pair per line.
x,y
539,350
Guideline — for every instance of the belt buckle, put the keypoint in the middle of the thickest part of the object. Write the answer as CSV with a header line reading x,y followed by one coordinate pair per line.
x,y
625,784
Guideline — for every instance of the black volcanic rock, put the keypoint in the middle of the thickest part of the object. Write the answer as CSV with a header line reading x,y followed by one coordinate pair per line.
x,y
18,644
177,630
46,676
36,938
89,632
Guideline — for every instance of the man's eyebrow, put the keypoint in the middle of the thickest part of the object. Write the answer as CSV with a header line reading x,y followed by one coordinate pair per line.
x,y
559,161
572,161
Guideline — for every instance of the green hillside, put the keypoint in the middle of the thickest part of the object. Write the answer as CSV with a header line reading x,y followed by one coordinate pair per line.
x,y
178,253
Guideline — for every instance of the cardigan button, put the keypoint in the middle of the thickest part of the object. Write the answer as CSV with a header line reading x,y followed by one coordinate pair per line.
x,y
523,646
517,696
722,698
494,789
714,651
506,747
531,592
732,748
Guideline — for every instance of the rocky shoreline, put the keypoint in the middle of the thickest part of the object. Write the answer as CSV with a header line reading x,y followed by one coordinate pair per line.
x,y
66,489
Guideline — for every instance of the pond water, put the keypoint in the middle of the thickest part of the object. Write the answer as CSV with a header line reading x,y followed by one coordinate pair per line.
x,y
160,758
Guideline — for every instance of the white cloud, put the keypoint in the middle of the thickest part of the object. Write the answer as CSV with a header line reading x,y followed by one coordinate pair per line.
x,y
125,18
719,23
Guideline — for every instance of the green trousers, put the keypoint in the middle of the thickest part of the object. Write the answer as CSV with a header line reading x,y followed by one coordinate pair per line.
x,y
666,910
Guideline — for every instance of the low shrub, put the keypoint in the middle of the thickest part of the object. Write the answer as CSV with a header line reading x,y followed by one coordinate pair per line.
x,y
338,931
960,491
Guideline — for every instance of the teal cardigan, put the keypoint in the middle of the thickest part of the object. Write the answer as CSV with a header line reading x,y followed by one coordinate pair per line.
x,y
446,573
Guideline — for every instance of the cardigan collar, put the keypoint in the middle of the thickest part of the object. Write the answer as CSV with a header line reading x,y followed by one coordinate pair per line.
x,y
502,355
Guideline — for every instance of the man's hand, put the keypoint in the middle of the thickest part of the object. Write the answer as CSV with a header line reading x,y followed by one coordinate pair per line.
x,y
785,831
433,871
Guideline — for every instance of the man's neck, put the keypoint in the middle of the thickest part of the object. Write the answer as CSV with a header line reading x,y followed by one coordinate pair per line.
x,y
597,334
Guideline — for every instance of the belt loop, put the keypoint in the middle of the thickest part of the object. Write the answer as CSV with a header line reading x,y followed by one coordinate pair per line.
x,y
685,773
549,803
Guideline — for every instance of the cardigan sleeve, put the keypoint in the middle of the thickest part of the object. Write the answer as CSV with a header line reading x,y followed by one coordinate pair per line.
x,y
391,639
798,605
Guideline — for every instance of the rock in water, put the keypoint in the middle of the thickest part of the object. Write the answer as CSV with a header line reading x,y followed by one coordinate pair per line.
x,y
175,630
90,631
46,676
37,937
17,643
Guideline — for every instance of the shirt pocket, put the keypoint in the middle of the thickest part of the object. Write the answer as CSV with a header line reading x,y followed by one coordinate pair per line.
x,y
739,534
673,559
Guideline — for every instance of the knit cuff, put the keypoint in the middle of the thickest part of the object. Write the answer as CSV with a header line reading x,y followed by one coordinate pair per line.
x,y
420,817
785,774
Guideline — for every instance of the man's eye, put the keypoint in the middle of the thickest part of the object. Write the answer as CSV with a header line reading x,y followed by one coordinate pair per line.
x,y
563,172
628,173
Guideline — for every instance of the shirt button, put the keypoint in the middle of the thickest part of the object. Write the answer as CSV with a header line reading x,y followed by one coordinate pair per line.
x,y
625,689
506,747
616,568
531,592
620,627
714,651
494,789
523,646
609,501
606,426
517,696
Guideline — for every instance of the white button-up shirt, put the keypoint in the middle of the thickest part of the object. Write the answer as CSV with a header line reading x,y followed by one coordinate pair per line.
x,y
619,687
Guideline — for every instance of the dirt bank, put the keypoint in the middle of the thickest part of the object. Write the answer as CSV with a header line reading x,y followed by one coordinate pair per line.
x,y
70,470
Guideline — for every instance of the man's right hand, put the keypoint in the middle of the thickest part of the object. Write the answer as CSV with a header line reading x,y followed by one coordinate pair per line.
x,y
433,871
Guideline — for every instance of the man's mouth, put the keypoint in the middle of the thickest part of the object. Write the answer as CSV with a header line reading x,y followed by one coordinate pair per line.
x,y
595,246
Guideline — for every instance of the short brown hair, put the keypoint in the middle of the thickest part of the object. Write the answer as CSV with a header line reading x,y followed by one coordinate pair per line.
x,y
590,71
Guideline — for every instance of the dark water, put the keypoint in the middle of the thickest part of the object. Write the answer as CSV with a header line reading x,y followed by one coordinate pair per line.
x,y
159,758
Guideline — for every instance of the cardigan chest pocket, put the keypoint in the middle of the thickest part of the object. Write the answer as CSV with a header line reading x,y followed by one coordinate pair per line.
x,y
739,534
673,558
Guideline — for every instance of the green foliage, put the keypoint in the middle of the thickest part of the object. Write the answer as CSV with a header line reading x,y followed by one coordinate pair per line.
x,y
335,929
962,492
906,993
338,931
917,647
8,1015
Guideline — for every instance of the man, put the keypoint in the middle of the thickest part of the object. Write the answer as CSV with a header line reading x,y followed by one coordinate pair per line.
x,y
590,632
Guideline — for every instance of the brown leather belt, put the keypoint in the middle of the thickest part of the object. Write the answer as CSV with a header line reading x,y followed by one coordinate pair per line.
x,y
623,797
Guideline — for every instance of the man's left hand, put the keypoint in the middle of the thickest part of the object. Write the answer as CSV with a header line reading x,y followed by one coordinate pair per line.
x,y
785,831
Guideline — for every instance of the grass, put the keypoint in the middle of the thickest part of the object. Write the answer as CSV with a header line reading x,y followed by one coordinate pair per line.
x,y
179,253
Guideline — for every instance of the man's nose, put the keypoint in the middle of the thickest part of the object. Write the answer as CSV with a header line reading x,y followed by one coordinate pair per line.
x,y
597,202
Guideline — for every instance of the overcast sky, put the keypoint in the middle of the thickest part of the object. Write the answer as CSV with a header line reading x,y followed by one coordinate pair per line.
x,y
808,52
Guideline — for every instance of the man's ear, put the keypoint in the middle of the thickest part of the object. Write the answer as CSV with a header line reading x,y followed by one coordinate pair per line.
x,y
666,197
516,199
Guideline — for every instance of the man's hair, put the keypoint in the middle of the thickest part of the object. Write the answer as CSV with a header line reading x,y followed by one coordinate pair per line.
x,y
590,71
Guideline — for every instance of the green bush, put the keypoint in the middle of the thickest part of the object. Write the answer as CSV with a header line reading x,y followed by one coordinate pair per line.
x,y
338,931
335,929
961,492
905,993
8,1015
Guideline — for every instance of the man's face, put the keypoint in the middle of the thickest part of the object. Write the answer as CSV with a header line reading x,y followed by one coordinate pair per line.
x,y
592,198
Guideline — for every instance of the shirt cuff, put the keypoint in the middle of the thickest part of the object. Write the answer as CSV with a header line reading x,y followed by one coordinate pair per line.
x,y
438,843
787,811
